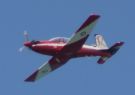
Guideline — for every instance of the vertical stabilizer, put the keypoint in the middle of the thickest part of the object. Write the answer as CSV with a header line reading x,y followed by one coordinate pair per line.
x,y
100,42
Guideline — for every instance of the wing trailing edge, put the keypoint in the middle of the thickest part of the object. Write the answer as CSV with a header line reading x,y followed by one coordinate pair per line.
x,y
80,36
51,65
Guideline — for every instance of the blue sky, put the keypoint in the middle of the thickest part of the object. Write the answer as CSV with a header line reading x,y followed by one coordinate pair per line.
x,y
44,19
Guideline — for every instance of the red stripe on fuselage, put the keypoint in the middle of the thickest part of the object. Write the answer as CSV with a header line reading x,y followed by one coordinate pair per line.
x,y
72,50
47,48
90,52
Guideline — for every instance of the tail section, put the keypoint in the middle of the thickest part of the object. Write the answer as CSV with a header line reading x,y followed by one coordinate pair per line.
x,y
100,42
112,51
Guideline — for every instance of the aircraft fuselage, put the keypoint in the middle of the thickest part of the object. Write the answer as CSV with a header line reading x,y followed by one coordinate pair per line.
x,y
53,48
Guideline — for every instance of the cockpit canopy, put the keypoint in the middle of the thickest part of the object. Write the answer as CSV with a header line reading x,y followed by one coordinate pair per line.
x,y
59,39
35,42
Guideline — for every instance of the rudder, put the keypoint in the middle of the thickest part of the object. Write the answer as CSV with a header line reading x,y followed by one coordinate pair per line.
x,y
100,42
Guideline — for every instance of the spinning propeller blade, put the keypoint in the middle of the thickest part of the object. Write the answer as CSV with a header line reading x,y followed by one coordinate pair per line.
x,y
26,36
21,49
26,39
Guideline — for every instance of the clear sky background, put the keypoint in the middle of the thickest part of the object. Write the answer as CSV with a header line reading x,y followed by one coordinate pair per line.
x,y
45,19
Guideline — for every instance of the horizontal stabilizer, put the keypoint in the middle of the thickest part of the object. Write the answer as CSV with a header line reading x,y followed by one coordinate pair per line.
x,y
112,51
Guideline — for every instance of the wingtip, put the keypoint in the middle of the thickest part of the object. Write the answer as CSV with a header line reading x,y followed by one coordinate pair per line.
x,y
32,78
95,15
92,18
121,43
29,80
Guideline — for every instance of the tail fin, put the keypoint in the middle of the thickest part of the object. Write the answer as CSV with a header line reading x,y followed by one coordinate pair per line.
x,y
100,42
112,51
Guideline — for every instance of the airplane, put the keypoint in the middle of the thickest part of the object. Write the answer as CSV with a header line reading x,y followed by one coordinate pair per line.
x,y
63,49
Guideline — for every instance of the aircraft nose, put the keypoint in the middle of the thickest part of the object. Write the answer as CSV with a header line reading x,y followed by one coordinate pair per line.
x,y
27,44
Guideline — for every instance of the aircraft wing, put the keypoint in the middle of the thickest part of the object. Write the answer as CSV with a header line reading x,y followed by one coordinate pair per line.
x,y
51,65
74,44
80,36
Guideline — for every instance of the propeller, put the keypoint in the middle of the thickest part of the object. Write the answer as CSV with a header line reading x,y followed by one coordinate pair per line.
x,y
26,39
26,36
21,49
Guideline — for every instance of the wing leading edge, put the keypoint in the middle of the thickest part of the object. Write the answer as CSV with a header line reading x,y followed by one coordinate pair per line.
x,y
73,45
81,35
51,65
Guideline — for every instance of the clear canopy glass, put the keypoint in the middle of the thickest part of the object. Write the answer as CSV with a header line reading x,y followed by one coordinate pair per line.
x,y
59,39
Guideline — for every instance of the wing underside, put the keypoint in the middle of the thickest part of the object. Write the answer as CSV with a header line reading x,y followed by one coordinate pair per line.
x,y
80,36
51,65
72,46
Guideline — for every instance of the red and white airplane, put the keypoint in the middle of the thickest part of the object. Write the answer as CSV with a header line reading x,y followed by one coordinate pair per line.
x,y
63,49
